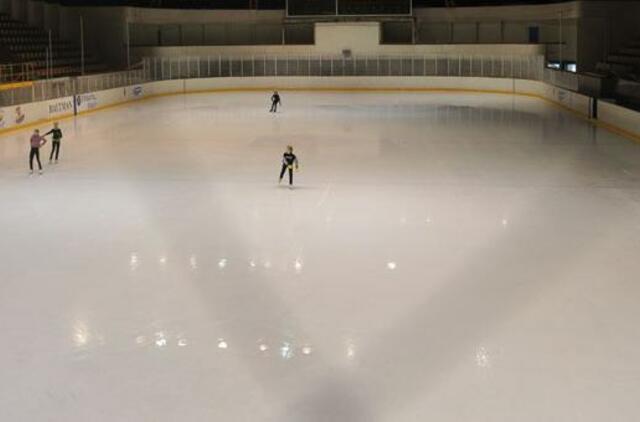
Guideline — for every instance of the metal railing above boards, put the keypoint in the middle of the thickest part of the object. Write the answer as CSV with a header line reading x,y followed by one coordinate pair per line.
x,y
162,68
48,89
522,67
17,72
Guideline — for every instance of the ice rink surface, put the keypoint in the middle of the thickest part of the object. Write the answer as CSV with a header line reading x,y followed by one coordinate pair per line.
x,y
443,257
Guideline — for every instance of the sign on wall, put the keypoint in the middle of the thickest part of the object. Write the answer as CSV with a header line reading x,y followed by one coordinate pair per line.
x,y
60,107
19,115
132,92
85,102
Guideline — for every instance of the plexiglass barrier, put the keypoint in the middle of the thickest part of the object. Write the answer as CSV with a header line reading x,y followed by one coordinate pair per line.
x,y
522,67
165,68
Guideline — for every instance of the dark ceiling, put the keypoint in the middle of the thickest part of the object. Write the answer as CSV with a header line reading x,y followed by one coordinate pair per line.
x,y
276,4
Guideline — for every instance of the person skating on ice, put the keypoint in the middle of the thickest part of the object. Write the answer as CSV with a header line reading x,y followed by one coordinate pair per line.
x,y
275,101
55,145
289,160
37,141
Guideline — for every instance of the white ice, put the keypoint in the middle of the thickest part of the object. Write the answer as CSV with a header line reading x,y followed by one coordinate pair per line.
x,y
442,258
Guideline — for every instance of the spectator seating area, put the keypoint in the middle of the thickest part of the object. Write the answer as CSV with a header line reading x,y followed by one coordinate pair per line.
x,y
624,63
21,43
624,67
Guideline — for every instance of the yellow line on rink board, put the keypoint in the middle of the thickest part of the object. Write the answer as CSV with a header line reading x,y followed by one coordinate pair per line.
x,y
14,85
619,131
612,128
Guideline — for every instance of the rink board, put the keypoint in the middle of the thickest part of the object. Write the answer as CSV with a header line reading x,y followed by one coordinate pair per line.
x,y
619,119
28,114
613,117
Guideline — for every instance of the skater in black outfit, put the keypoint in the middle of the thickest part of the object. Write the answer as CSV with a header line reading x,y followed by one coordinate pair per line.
x,y
55,145
289,160
275,101
36,142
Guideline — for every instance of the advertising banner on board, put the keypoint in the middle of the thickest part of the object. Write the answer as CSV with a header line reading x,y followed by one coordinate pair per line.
x,y
23,114
572,100
60,107
13,116
108,97
133,92
86,102
19,116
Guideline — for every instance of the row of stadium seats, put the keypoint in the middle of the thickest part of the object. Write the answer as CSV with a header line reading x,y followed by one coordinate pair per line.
x,y
23,39
20,31
27,47
11,25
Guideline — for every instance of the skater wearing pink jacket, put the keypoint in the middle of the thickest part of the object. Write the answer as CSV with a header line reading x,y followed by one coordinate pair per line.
x,y
37,141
